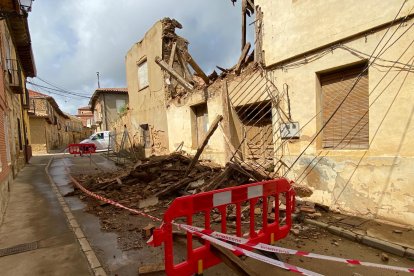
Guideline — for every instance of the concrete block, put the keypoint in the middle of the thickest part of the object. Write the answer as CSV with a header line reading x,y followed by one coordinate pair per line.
x,y
316,223
92,259
85,244
74,223
348,235
409,253
384,246
79,233
99,271
335,230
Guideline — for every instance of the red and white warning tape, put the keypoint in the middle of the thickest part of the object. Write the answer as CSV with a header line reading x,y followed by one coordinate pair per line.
x,y
281,250
219,238
248,253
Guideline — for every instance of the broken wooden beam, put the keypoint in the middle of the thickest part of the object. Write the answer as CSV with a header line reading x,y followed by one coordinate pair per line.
x,y
222,69
243,29
233,261
172,56
200,149
151,268
174,74
242,57
195,66
187,73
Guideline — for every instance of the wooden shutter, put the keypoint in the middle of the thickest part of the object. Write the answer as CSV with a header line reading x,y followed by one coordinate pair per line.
x,y
349,127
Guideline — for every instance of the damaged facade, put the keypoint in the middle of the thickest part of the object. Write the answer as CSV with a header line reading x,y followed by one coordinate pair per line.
x,y
316,53
300,104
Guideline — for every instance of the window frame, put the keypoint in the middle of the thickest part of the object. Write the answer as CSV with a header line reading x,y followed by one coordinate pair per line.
x,y
140,64
348,111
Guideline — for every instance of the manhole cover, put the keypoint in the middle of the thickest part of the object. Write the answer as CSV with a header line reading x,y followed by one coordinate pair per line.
x,y
18,249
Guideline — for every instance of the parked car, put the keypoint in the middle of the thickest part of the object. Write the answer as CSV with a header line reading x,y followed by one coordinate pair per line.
x,y
101,139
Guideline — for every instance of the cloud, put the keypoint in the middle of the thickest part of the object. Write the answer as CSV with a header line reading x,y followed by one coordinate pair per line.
x,y
72,40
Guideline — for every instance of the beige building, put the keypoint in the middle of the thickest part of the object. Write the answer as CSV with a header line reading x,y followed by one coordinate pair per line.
x,y
17,63
107,105
51,128
162,113
324,99
354,149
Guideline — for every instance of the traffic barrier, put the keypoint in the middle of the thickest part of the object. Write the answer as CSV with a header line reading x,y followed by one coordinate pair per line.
x,y
80,149
202,257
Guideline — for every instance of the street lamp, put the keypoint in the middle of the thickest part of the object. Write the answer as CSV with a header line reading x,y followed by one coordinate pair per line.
x,y
26,5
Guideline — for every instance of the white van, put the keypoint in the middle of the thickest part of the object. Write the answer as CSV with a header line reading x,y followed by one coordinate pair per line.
x,y
100,139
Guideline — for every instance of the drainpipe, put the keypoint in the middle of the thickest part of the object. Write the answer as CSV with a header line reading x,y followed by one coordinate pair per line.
x,y
106,117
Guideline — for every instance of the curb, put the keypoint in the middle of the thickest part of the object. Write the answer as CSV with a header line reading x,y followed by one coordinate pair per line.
x,y
385,246
90,255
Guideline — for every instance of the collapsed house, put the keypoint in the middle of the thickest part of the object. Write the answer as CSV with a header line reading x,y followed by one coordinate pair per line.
x,y
317,105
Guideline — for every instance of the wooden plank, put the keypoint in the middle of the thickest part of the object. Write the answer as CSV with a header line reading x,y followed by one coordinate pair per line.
x,y
232,261
243,34
242,57
195,66
151,268
174,74
187,73
200,149
172,56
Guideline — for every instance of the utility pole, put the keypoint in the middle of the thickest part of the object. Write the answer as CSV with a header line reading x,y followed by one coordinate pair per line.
x,y
97,75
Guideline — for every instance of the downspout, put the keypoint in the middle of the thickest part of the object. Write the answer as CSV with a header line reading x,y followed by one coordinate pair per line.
x,y
106,117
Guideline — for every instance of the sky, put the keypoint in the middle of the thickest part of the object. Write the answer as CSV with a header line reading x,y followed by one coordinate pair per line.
x,y
72,40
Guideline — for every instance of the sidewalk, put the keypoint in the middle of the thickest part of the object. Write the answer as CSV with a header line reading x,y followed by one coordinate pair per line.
x,y
34,219
384,235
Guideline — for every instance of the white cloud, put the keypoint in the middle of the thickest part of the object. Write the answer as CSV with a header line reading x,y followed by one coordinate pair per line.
x,y
72,40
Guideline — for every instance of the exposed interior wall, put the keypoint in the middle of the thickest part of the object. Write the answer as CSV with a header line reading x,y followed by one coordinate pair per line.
x,y
181,123
147,104
293,27
375,182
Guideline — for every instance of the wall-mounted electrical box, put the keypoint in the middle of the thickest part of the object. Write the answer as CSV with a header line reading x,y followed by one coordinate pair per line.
x,y
290,130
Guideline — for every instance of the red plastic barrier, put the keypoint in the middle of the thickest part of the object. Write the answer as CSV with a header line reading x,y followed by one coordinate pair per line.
x,y
82,148
201,257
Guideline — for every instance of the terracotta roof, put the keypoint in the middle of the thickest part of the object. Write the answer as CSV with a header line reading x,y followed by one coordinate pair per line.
x,y
94,98
34,94
51,100
85,108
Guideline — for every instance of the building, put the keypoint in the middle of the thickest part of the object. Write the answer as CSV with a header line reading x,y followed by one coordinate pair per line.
x,y
317,101
86,115
348,69
51,128
107,104
17,64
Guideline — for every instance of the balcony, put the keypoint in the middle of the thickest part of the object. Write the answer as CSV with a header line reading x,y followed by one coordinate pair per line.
x,y
13,76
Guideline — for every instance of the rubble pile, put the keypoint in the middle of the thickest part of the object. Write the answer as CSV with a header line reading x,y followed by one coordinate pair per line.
x,y
163,177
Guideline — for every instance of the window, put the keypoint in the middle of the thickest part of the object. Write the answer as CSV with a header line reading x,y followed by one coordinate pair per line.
x,y
142,75
199,124
99,136
349,126
120,106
